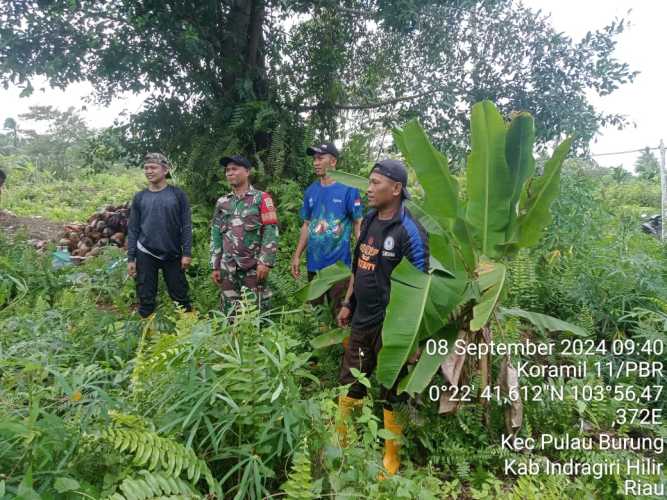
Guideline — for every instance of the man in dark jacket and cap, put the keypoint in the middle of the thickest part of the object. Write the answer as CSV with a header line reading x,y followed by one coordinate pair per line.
x,y
388,233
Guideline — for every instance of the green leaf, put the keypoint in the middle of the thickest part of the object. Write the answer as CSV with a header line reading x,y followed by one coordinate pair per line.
x,y
520,161
491,282
431,167
277,392
422,374
409,296
25,490
444,296
361,377
489,184
323,281
387,434
539,195
544,322
355,181
465,243
63,484
329,338
431,225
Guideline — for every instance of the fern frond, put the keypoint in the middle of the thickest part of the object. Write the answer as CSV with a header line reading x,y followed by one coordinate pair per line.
x,y
263,118
154,452
523,281
237,120
299,486
277,151
585,319
154,485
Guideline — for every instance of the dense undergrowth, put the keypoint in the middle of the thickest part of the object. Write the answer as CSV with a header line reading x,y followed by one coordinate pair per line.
x,y
95,403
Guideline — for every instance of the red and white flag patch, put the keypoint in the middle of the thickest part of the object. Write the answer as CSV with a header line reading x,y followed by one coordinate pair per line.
x,y
268,210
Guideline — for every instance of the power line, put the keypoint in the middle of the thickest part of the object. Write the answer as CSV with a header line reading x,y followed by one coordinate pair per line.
x,y
626,152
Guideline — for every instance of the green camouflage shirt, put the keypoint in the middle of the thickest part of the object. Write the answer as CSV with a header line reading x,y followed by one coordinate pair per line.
x,y
244,231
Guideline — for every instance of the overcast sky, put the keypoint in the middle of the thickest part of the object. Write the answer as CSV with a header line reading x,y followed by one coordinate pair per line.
x,y
642,46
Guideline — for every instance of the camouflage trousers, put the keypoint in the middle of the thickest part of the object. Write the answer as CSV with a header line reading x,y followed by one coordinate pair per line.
x,y
233,283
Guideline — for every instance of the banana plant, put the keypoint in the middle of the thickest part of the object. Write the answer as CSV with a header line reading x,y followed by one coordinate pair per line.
x,y
472,235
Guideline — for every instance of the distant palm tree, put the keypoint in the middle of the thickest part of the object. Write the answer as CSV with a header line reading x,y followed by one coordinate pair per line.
x,y
619,174
10,124
647,166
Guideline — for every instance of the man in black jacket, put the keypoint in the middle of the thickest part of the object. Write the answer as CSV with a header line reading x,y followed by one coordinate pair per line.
x,y
159,237
388,233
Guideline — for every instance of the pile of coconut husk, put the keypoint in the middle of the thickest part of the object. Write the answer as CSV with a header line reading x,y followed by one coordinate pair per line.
x,y
104,228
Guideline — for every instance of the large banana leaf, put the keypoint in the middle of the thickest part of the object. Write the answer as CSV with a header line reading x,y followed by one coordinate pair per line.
x,y
540,194
431,225
445,295
520,161
491,282
544,322
430,165
489,183
450,244
409,297
422,374
417,299
464,243
324,279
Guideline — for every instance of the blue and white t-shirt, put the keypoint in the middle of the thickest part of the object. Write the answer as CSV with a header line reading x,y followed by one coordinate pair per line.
x,y
331,211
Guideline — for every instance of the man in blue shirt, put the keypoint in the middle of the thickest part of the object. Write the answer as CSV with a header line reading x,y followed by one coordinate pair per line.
x,y
331,212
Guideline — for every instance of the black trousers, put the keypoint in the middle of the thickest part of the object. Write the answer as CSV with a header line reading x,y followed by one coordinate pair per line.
x,y
148,268
362,353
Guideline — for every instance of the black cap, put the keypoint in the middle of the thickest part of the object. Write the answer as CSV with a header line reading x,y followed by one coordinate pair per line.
x,y
323,149
394,170
237,159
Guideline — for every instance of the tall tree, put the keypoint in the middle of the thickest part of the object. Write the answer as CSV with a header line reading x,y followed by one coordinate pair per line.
x,y
249,75
647,166
11,125
59,147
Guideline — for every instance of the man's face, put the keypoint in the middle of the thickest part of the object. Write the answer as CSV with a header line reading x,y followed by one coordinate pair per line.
x,y
323,163
155,173
382,191
237,175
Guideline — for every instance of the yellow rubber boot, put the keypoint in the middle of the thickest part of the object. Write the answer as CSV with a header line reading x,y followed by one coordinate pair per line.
x,y
345,406
391,460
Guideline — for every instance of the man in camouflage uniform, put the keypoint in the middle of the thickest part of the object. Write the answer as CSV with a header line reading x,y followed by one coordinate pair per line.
x,y
244,237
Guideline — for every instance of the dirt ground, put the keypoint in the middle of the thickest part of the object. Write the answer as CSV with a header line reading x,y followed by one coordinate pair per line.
x,y
37,228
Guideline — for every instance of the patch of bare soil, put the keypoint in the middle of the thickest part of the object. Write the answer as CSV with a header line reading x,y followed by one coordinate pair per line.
x,y
37,228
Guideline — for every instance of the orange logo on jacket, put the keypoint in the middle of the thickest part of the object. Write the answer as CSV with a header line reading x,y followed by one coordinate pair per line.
x,y
367,253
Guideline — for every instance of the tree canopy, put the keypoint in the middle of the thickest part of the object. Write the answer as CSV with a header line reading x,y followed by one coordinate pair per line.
x,y
266,76
647,166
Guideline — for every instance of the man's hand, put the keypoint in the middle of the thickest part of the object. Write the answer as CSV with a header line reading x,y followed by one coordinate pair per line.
x,y
295,268
343,318
215,276
131,269
262,272
185,262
